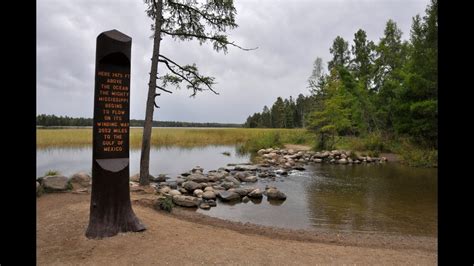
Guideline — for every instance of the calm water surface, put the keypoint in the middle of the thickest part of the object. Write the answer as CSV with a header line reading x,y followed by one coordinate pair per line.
x,y
387,198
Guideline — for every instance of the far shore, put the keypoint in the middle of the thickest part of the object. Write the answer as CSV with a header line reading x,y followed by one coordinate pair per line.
x,y
187,237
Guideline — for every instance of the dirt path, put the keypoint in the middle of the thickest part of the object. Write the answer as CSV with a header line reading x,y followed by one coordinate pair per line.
x,y
62,220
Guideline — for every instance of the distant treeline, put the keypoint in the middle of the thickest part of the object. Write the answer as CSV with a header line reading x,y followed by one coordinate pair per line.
x,y
65,121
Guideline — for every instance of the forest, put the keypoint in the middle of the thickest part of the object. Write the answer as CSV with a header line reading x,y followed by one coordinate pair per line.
x,y
387,88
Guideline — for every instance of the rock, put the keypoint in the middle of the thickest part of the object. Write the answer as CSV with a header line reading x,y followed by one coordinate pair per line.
x,y
383,159
244,191
212,203
342,161
228,196
208,189
216,176
182,190
174,192
369,159
316,160
198,193
227,185
135,178
322,155
190,186
208,195
261,151
275,194
356,161
80,180
343,156
204,206
186,201
241,175
250,179
197,169
197,177
245,199
299,168
55,182
172,184
160,178
185,174
281,172
246,167
179,181
266,174
233,180
256,194
164,190
332,160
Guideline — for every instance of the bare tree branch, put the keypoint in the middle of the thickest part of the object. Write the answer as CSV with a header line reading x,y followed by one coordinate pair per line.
x,y
188,71
213,38
163,89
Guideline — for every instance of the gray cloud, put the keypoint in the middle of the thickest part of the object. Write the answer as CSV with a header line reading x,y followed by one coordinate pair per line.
x,y
289,34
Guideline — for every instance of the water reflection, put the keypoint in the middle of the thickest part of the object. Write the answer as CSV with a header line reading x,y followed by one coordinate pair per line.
x,y
163,160
388,198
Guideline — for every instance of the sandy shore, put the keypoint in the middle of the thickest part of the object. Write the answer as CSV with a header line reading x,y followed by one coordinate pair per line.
x,y
188,238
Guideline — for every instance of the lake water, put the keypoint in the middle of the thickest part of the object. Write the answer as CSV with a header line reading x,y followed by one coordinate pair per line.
x,y
383,198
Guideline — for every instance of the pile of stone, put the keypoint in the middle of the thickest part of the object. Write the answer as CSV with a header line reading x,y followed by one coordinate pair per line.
x,y
293,159
227,184
78,183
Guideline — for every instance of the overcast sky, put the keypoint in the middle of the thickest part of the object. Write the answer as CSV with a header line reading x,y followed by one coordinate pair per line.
x,y
289,34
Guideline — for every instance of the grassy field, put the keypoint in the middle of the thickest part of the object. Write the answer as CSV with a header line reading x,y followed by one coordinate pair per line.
x,y
251,138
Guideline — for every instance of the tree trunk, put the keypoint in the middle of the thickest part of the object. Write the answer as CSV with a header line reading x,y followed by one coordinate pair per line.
x,y
146,141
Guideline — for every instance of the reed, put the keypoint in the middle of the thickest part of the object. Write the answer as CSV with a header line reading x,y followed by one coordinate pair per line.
x,y
182,137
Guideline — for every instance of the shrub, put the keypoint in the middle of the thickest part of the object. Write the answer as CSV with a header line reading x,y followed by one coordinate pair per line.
x,y
52,172
166,204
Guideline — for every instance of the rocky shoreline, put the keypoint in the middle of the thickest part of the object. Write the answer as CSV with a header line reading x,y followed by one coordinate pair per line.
x,y
232,183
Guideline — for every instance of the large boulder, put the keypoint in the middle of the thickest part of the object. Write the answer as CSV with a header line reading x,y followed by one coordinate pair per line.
x,y
80,180
55,183
229,195
197,177
190,186
186,201
275,194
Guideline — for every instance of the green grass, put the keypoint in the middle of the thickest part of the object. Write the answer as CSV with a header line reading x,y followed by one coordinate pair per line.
x,y
414,155
182,137
52,172
165,204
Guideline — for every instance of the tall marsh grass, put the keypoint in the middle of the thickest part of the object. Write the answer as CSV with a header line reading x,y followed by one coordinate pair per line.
x,y
251,138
